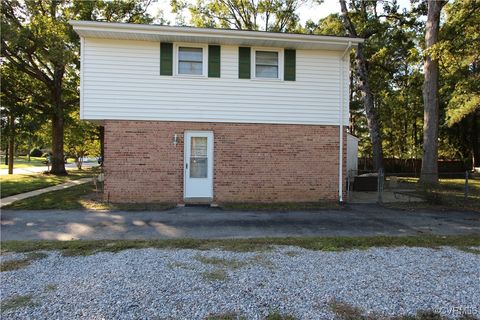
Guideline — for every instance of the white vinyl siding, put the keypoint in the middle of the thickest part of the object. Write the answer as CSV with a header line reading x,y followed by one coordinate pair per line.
x,y
121,81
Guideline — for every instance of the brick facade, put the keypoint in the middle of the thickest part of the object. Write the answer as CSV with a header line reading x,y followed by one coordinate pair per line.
x,y
252,162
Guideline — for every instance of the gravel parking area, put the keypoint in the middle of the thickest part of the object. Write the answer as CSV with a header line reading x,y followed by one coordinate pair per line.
x,y
192,284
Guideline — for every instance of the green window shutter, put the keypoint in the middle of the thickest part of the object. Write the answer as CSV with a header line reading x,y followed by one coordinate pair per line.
x,y
214,61
166,59
289,65
244,62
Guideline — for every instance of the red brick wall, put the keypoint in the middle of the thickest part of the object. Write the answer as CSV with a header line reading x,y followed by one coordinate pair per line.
x,y
252,162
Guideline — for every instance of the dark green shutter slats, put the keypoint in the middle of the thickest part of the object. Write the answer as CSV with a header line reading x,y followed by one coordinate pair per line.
x,y
166,59
214,61
244,62
289,65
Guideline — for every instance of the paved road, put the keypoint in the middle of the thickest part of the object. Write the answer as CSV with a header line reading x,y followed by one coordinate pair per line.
x,y
201,222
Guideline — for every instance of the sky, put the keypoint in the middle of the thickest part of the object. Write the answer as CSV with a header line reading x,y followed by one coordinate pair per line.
x,y
306,12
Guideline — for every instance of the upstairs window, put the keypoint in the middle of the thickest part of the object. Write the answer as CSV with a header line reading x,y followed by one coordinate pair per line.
x,y
190,61
266,64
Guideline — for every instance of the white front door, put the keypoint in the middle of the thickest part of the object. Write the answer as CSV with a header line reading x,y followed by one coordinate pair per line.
x,y
198,164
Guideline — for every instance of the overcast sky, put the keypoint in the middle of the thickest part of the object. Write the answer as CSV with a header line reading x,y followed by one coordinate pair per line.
x,y
307,12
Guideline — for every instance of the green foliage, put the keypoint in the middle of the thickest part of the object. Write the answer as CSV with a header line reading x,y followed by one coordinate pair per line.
x,y
20,95
40,77
81,139
393,47
459,54
35,152
330,25
268,15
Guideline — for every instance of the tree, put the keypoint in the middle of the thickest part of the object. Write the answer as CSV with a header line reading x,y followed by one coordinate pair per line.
x,y
393,52
364,86
38,41
429,173
458,52
81,139
16,96
267,15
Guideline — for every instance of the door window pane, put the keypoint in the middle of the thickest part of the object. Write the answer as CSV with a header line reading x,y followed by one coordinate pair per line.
x,y
198,157
190,60
266,64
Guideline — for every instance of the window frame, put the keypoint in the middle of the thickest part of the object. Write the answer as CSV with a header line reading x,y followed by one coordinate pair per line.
x,y
253,66
176,51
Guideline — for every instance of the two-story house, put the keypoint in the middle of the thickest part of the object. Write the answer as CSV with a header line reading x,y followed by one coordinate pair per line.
x,y
213,115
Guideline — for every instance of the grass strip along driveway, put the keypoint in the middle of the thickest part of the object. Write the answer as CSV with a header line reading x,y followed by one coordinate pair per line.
x,y
87,247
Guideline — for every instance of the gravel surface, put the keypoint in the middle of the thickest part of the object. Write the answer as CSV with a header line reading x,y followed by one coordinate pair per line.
x,y
191,284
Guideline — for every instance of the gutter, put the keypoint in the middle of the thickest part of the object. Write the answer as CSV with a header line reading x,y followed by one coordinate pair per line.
x,y
143,29
341,125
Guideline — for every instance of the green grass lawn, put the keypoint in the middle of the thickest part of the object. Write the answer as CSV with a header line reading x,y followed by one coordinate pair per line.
x,y
449,194
82,197
19,183
71,198
448,184
86,247
22,162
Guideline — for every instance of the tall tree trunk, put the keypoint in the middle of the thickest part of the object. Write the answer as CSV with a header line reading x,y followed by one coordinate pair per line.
x,y
11,143
58,157
29,147
372,118
6,155
58,160
429,173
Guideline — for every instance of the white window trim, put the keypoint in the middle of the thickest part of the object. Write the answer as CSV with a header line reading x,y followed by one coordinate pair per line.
x,y
204,59
254,62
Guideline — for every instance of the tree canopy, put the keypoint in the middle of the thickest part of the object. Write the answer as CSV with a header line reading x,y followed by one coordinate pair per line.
x,y
267,15
40,68
38,43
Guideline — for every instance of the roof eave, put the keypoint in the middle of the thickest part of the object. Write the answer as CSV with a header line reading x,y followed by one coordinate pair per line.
x,y
127,31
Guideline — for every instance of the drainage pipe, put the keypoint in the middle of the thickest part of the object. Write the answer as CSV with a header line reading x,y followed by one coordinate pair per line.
x,y
341,124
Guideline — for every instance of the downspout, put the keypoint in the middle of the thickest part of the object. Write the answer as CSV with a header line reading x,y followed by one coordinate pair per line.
x,y
340,122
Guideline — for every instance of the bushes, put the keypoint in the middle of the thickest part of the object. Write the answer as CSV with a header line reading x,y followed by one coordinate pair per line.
x,y
35,152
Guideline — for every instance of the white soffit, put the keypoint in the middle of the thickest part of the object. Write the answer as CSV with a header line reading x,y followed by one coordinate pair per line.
x,y
127,31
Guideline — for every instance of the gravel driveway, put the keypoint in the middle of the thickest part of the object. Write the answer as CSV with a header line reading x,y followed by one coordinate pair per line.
x,y
191,284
